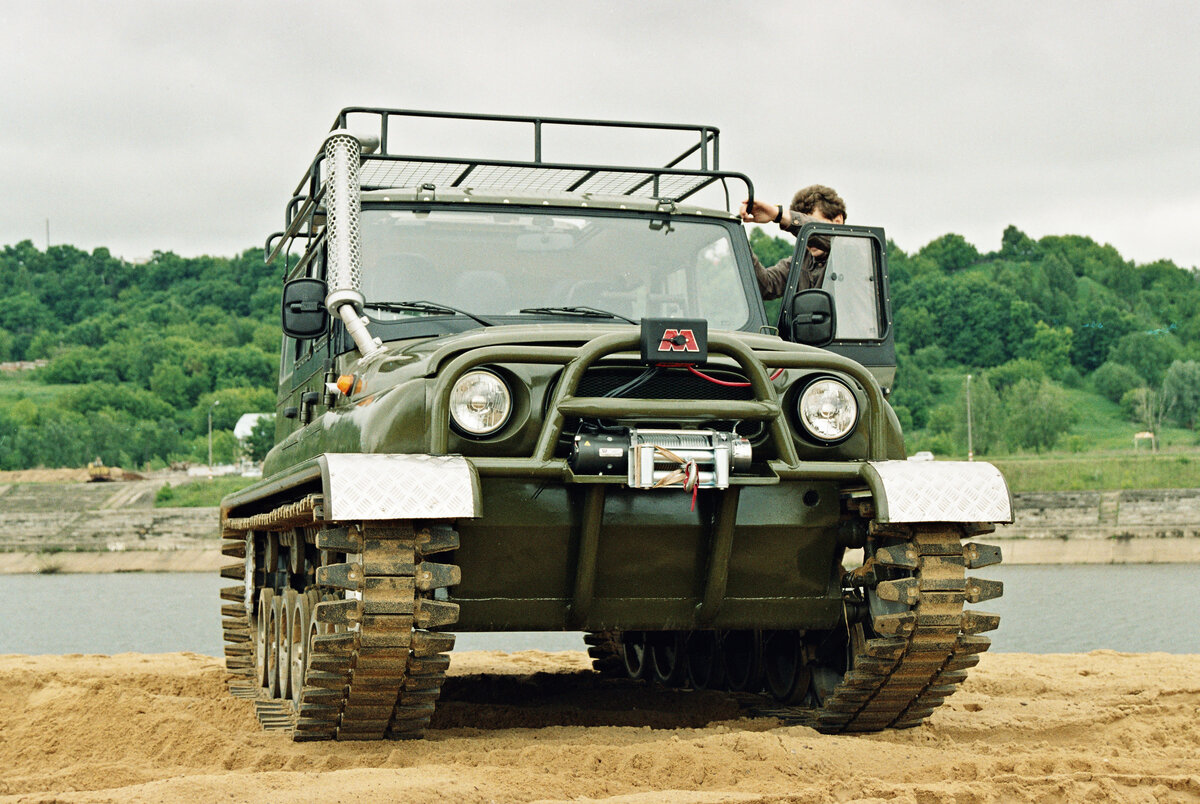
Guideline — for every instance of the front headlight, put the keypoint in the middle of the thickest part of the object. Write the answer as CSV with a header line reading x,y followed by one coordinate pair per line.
x,y
828,410
480,403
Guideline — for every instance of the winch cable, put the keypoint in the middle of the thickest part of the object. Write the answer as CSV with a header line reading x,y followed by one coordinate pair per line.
x,y
686,472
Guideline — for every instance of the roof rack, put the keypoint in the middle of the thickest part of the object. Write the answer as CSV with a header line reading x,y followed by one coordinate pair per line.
x,y
382,169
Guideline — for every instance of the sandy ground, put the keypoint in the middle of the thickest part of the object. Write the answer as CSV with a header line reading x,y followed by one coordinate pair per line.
x,y
538,727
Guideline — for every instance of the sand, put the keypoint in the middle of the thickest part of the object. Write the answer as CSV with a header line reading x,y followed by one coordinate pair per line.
x,y
537,726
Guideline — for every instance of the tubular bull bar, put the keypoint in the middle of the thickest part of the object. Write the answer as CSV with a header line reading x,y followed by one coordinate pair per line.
x,y
764,407
903,492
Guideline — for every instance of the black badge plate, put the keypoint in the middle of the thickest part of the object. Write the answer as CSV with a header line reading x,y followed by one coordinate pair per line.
x,y
674,340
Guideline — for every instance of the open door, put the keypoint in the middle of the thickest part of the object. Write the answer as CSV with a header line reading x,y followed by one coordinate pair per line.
x,y
844,267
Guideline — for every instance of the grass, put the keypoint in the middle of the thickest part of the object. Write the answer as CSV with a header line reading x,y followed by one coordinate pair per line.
x,y
19,385
47,566
199,493
1101,471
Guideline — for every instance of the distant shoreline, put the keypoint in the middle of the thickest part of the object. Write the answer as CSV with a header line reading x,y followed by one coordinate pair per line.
x,y
102,528
1181,550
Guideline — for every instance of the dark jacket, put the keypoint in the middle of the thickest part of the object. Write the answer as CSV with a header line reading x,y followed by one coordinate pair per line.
x,y
773,280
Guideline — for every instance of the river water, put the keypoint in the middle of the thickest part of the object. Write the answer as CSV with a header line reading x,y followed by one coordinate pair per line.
x,y
1045,609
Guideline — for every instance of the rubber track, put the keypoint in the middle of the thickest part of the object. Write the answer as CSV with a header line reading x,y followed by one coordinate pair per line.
x,y
899,681
604,649
379,679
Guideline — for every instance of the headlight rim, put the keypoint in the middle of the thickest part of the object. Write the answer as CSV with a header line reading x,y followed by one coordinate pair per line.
x,y
461,429
798,416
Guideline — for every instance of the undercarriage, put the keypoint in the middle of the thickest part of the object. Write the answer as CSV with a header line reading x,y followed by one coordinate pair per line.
x,y
338,631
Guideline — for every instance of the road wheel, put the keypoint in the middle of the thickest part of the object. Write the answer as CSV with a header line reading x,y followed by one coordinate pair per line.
x,y
668,659
635,653
741,656
785,672
299,627
262,638
274,619
284,654
705,668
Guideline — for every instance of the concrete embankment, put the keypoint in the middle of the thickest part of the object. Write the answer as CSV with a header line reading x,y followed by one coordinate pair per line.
x,y
114,527
1158,526
102,527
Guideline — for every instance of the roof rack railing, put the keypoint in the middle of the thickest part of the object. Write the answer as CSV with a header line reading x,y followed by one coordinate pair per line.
x,y
708,146
382,169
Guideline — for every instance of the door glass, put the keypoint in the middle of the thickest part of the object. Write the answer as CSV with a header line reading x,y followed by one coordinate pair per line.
x,y
850,278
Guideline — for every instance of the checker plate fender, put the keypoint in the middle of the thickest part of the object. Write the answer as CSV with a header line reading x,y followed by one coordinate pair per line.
x,y
939,491
364,486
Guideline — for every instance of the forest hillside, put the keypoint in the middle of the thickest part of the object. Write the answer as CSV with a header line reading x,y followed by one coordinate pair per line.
x,y
1068,345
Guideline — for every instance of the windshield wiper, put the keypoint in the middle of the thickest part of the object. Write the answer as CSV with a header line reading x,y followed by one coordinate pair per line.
x,y
425,307
586,312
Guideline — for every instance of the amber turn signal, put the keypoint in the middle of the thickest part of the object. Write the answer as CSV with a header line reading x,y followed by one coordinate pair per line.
x,y
349,384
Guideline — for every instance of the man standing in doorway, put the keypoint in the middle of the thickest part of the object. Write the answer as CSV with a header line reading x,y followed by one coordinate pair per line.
x,y
816,203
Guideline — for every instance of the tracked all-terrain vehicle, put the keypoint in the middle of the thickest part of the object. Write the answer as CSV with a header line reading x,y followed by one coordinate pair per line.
x,y
522,395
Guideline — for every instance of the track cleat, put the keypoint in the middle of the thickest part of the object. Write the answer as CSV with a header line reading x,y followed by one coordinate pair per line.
x,y
427,643
436,539
234,572
976,622
981,555
903,590
901,624
904,556
980,589
333,644
341,540
338,612
435,613
432,576
340,576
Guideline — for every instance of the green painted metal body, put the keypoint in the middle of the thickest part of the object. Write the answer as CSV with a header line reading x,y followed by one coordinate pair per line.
x,y
553,550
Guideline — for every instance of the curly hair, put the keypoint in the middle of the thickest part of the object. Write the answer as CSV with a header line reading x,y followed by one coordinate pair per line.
x,y
818,196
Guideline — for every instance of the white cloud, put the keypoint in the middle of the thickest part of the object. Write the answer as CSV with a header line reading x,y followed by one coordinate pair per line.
x,y
183,126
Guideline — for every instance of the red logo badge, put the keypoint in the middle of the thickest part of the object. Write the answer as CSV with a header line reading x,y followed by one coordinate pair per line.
x,y
678,340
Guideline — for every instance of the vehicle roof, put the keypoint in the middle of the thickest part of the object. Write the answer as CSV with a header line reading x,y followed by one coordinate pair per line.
x,y
492,196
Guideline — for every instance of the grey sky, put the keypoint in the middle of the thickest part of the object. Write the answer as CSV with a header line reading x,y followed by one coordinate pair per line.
x,y
184,126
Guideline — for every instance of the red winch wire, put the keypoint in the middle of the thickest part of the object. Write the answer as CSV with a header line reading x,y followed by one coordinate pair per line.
x,y
727,383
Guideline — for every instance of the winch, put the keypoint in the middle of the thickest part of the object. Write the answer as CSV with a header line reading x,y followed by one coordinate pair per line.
x,y
654,458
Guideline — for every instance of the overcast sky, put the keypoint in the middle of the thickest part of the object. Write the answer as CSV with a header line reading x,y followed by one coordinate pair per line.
x,y
180,126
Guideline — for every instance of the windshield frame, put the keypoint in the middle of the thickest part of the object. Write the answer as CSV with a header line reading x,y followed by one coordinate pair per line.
x,y
422,325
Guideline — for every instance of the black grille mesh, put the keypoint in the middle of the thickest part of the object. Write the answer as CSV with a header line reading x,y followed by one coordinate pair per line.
x,y
670,383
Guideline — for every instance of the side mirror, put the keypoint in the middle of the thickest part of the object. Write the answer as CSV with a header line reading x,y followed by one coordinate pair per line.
x,y
304,313
812,319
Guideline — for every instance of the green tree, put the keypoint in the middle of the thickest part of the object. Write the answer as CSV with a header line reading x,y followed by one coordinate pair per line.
x,y
1114,380
951,252
1147,353
1016,245
170,383
770,250
1005,376
1051,347
262,438
1181,387
1038,414
1146,407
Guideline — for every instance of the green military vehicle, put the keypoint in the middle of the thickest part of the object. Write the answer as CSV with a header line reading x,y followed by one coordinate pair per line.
x,y
528,395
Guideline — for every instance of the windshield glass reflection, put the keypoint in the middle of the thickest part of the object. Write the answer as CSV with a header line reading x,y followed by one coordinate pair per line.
x,y
498,263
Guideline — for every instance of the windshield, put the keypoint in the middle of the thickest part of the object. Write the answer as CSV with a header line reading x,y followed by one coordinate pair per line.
x,y
498,263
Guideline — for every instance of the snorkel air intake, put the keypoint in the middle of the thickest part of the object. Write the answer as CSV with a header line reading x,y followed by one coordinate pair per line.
x,y
343,208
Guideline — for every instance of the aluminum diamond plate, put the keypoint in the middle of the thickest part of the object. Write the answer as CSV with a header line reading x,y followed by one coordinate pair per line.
x,y
941,491
399,486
